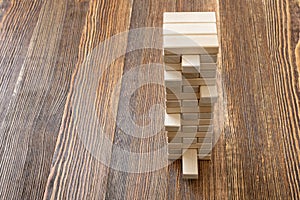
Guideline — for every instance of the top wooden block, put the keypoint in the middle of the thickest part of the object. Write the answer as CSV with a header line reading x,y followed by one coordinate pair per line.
x,y
190,29
189,17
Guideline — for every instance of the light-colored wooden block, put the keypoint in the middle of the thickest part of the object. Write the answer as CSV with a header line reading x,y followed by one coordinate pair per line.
x,y
172,59
174,140
205,121
189,116
172,122
205,128
174,77
183,96
189,17
191,75
208,94
190,164
189,140
174,90
190,61
204,151
191,44
208,58
172,67
190,135
189,129
190,110
174,156
205,139
173,103
206,115
173,110
199,81
196,109
204,156
173,81
172,129
175,151
208,73
190,64
190,89
194,122
208,66
190,29
190,103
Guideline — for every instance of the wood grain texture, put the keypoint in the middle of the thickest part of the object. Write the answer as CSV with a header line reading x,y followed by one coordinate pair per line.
x,y
43,79
262,137
76,173
36,71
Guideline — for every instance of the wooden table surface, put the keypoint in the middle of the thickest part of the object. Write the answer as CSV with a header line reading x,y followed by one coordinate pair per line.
x,y
51,108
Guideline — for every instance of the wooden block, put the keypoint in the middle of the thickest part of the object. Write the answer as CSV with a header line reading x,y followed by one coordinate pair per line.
x,y
205,115
204,151
173,82
174,139
190,29
196,122
190,89
189,129
174,156
205,128
208,94
193,146
208,58
172,78
172,59
175,151
189,17
183,96
174,145
189,122
196,109
172,122
174,90
172,129
192,134
190,164
190,116
205,121
204,139
173,110
208,73
191,44
208,66
189,140
190,61
173,103
199,81
190,64
189,110
191,75
206,104
204,156
190,103
172,67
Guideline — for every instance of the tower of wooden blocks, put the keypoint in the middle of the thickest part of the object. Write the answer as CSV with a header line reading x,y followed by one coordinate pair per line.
x,y
190,43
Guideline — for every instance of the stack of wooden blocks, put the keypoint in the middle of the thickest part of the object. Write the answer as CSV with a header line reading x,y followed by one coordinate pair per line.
x,y
190,58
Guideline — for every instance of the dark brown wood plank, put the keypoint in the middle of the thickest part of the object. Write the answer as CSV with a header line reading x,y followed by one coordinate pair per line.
x,y
33,116
259,71
77,172
16,29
